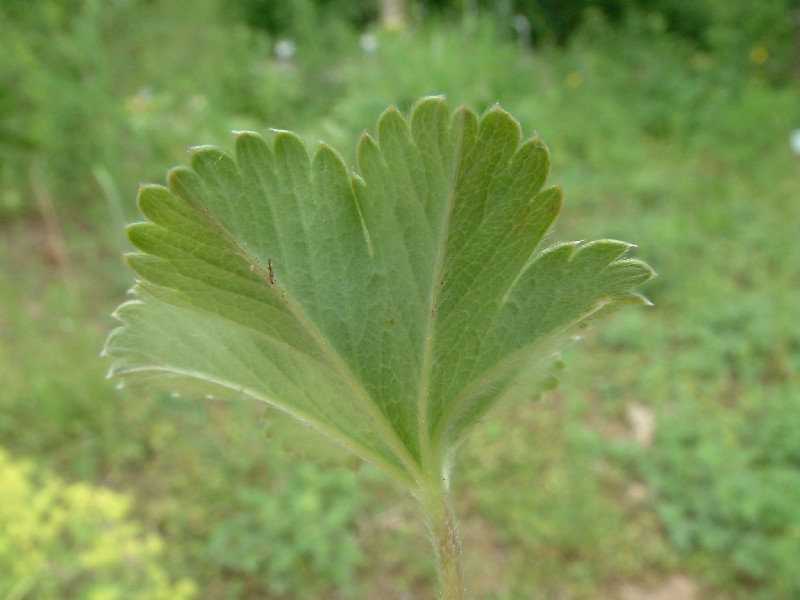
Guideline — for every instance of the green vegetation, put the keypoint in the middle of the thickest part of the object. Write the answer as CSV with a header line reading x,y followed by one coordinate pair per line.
x,y
678,143
739,494
298,540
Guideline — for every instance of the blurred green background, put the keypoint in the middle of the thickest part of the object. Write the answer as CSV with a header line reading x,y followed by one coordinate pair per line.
x,y
669,458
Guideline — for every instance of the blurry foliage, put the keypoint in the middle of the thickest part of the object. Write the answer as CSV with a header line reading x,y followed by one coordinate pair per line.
x,y
67,100
727,483
70,540
124,85
287,17
55,403
740,30
297,541
556,504
433,59
762,35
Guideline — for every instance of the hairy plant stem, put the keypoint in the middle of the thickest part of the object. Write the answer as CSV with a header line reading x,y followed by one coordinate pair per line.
x,y
435,502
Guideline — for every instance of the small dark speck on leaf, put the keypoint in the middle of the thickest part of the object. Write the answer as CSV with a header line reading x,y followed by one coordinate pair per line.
x,y
271,272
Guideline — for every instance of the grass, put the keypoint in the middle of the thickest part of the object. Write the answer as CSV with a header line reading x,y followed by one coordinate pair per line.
x,y
556,498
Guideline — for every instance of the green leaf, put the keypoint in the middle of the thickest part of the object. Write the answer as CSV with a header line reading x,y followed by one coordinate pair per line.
x,y
387,308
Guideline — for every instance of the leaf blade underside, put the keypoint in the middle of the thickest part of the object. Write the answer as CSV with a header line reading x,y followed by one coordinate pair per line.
x,y
389,309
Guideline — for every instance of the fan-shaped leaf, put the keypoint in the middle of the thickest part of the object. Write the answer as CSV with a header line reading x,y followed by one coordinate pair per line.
x,y
388,308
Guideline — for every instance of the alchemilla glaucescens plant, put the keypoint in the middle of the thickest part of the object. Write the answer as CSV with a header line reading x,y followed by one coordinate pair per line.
x,y
388,308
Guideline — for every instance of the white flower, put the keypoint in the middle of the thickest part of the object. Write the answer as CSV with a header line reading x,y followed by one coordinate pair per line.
x,y
368,43
285,49
794,141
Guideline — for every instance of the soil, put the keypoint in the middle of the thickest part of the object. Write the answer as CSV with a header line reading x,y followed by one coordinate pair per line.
x,y
677,587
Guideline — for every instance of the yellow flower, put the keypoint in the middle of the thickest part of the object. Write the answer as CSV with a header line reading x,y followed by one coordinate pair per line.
x,y
53,533
758,56
573,79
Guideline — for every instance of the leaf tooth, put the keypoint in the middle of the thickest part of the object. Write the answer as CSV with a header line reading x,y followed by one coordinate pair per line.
x,y
165,210
496,123
165,241
289,146
141,235
212,164
245,142
252,149
465,124
120,312
327,156
608,249
435,103
429,115
561,251
371,165
496,108
367,149
186,184
192,150
392,125
633,271
531,161
637,298
150,198
431,99
603,252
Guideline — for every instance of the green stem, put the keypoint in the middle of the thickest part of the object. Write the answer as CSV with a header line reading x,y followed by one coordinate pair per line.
x,y
435,502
